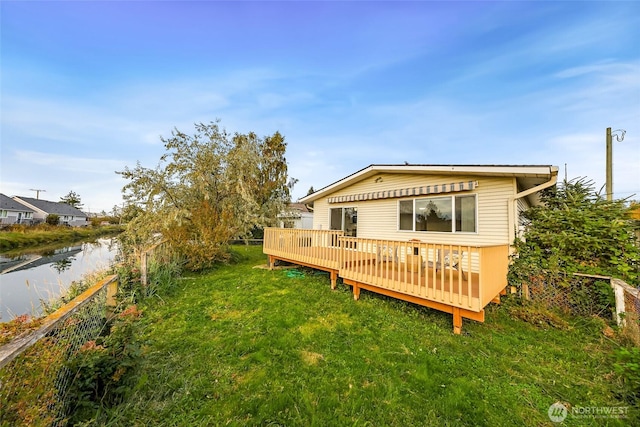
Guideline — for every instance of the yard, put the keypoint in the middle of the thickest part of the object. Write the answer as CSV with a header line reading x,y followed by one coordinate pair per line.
x,y
248,346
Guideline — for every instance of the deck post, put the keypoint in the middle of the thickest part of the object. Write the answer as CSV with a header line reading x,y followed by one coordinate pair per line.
x,y
457,321
356,292
112,290
334,278
271,262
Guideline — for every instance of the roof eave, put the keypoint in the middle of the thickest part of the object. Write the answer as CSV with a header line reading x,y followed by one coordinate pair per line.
x,y
529,171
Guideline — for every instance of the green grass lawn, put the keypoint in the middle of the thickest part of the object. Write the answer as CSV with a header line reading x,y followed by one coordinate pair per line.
x,y
244,346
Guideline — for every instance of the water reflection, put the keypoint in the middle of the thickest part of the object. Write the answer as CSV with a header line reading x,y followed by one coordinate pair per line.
x,y
63,264
26,279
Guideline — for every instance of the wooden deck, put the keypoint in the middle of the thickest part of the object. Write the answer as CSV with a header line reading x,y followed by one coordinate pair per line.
x,y
460,280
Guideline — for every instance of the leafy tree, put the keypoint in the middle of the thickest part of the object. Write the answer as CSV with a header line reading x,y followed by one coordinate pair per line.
x,y
576,230
207,189
72,199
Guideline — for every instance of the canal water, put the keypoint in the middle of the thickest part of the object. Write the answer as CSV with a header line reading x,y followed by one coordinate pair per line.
x,y
33,276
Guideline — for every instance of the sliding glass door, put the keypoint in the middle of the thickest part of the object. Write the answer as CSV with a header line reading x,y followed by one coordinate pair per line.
x,y
345,219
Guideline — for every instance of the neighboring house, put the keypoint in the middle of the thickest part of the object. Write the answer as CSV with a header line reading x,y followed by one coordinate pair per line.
x,y
436,235
296,215
12,212
43,208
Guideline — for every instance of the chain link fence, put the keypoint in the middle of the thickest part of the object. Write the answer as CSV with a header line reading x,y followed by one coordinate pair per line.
x,y
34,378
588,295
572,294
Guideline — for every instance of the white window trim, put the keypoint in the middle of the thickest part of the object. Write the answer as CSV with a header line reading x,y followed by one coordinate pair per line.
x,y
453,218
342,224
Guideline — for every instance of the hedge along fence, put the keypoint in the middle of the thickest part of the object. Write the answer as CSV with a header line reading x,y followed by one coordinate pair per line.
x,y
589,295
34,379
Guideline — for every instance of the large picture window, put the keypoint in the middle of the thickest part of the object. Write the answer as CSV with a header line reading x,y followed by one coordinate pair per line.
x,y
449,214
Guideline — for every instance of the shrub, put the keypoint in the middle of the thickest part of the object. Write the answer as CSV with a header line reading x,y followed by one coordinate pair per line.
x,y
627,366
102,369
53,219
576,230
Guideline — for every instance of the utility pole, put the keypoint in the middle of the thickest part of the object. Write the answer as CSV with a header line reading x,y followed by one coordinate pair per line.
x,y
609,177
37,192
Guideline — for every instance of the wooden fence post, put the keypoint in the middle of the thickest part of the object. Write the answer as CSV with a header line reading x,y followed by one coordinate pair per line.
x,y
143,268
112,290
618,292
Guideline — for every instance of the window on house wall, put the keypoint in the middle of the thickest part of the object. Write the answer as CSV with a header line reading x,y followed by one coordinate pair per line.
x,y
449,214
335,219
345,219
3,214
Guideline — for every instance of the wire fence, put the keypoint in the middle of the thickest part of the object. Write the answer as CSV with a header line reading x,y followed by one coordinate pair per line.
x,y
589,295
577,295
34,378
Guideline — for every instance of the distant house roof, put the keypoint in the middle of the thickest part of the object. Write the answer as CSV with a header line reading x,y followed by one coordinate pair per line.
x,y
300,207
528,176
57,208
8,204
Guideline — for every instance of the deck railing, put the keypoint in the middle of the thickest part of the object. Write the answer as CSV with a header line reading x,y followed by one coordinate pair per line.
x,y
319,248
463,276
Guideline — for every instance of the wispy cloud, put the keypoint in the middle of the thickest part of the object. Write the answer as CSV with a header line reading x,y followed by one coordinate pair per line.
x,y
68,162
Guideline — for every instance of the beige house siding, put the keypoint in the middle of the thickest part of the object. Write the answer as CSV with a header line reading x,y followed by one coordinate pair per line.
x,y
523,205
379,218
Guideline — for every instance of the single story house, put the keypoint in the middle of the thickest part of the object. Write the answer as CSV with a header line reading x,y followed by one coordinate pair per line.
x,y
43,208
296,215
12,212
436,235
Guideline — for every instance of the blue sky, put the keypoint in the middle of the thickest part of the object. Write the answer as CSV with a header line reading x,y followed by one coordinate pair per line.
x,y
89,87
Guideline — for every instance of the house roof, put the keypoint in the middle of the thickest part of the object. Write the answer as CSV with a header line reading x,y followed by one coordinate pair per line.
x,y
528,176
48,207
8,204
300,207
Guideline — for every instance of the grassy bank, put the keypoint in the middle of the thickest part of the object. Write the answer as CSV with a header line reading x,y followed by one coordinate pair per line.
x,y
23,237
245,346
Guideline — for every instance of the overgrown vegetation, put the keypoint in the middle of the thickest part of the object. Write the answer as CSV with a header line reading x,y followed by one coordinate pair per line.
x,y
207,189
17,326
98,372
576,230
102,370
627,366
20,236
